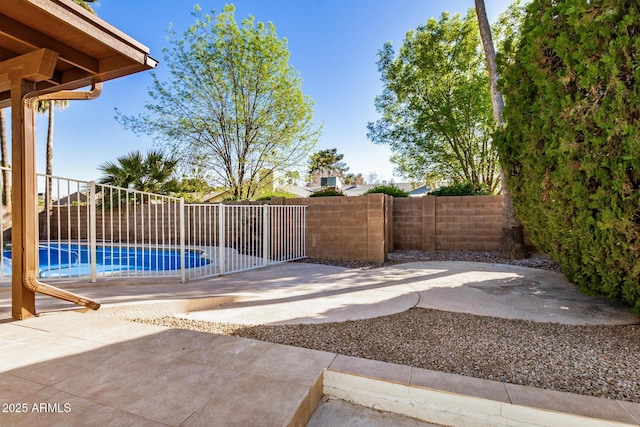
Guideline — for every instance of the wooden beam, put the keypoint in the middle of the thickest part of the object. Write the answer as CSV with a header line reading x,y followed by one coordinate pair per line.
x,y
27,39
35,66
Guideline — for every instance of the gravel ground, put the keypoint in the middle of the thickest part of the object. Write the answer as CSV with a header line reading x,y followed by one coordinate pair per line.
x,y
536,260
599,361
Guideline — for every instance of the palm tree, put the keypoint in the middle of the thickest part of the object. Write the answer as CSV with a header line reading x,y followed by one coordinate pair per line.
x,y
512,245
84,4
44,107
135,171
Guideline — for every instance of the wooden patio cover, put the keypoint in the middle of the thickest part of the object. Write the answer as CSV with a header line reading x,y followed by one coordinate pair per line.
x,y
47,49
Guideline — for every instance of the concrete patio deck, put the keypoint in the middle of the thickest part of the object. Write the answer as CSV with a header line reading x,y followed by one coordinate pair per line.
x,y
66,367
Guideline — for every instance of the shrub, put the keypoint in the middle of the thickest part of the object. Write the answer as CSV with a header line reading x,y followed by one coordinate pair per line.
x,y
269,196
465,189
571,146
388,189
327,192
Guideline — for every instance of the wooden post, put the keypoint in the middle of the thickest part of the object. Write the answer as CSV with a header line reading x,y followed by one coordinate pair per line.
x,y
23,200
20,74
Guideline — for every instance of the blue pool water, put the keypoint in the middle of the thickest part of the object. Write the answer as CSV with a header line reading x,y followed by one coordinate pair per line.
x,y
65,260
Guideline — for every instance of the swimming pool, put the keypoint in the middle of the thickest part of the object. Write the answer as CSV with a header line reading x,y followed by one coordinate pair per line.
x,y
57,260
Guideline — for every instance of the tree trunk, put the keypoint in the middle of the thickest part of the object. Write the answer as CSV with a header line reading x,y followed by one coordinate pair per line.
x,y
49,155
4,160
512,244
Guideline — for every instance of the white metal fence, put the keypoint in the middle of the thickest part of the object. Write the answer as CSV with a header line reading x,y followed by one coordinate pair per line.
x,y
89,230
241,237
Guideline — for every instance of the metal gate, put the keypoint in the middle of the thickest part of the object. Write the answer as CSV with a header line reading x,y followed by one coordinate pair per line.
x,y
242,237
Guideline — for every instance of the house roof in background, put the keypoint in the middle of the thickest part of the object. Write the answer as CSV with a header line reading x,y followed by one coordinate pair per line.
x,y
356,190
298,190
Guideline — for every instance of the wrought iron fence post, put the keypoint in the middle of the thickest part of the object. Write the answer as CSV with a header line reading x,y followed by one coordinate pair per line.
x,y
182,246
266,235
303,240
92,230
221,233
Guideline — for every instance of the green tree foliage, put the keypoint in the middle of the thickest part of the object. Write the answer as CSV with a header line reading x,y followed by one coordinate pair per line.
x,y
436,106
233,105
388,189
191,189
194,185
151,173
326,163
353,179
506,33
571,146
283,194
327,192
465,189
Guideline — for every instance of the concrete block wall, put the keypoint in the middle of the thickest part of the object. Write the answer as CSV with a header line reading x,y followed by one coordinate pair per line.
x,y
468,223
413,223
345,228
447,223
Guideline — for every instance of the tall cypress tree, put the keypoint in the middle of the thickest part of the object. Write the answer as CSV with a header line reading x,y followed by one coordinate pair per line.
x,y
571,145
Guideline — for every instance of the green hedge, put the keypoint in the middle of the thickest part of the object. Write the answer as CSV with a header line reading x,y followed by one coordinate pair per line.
x,y
329,192
388,189
571,145
466,189
283,194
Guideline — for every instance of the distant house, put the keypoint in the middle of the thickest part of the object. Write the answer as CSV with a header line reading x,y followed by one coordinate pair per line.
x,y
297,190
420,191
265,184
351,189
325,182
330,181
216,196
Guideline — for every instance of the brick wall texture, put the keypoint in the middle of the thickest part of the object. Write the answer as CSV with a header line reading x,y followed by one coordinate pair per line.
x,y
346,228
447,223
366,228
363,228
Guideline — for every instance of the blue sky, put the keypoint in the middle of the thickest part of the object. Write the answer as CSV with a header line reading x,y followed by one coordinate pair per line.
x,y
333,44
